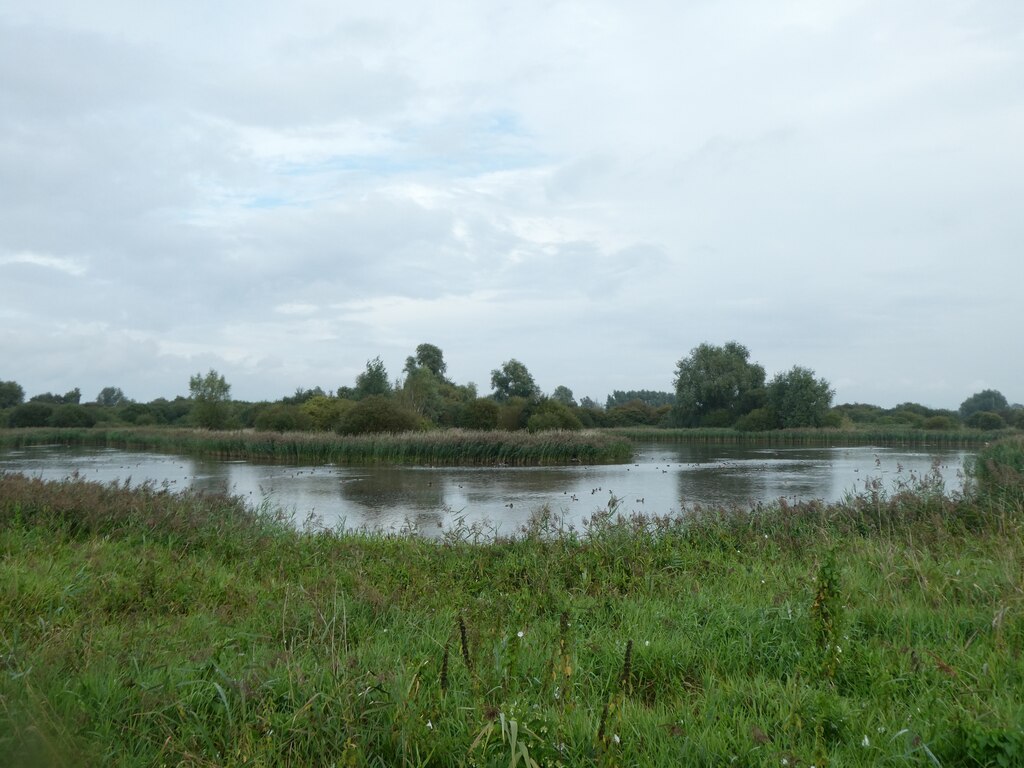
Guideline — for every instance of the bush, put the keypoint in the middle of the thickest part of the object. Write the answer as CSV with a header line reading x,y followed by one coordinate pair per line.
x,y
758,420
551,414
283,418
71,416
986,420
482,413
326,413
377,413
30,414
941,423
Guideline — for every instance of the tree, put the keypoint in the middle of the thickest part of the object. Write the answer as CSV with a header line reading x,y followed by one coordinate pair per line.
x,y
210,395
111,397
74,396
372,381
564,396
987,400
716,385
513,380
430,357
646,396
421,391
11,394
797,399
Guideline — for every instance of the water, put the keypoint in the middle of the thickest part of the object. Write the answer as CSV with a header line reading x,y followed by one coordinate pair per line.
x,y
663,479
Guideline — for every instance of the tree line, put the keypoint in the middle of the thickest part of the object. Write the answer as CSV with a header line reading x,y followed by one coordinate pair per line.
x,y
715,386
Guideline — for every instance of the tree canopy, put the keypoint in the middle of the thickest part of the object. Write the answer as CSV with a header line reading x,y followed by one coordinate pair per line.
x,y
11,394
990,400
513,380
715,385
111,397
210,395
797,399
372,381
429,357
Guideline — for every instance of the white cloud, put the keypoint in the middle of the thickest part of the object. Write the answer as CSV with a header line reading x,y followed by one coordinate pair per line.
x,y
284,191
68,265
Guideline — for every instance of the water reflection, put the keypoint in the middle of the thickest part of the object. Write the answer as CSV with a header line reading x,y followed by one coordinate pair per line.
x,y
662,479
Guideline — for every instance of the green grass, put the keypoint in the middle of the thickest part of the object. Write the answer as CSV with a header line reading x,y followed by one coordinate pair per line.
x,y
447,447
143,628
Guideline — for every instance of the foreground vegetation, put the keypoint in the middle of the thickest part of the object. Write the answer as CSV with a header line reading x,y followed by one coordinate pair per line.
x,y
143,628
449,447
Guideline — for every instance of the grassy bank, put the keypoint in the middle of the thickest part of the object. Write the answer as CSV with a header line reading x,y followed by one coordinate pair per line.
x,y
448,447
959,438
142,628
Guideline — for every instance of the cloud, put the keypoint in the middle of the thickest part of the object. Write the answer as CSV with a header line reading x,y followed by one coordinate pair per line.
x,y
282,192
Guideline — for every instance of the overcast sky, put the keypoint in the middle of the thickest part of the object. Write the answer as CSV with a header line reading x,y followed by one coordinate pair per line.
x,y
281,191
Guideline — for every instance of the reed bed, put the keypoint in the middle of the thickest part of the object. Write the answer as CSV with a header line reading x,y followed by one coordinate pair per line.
x,y
961,438
450,447
142,628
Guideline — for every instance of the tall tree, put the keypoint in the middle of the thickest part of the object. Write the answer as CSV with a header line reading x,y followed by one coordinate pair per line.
x,y
797,399
563,395
716,385
11,394
372,381
987,400
513,380
210,395
430,357
111,397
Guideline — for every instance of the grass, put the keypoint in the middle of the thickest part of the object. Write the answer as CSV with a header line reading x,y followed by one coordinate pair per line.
x,y
448,447
143,628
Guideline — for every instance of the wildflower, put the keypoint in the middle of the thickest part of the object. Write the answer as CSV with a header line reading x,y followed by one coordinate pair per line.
x,y
865,742
616,739
647,642
430,726
520,633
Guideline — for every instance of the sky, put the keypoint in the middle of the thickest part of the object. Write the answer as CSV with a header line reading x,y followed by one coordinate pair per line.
x,y
283,191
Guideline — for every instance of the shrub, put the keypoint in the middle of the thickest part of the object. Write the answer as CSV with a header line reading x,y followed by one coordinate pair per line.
x,y
283,418
941,423
551,414
758,420
377,413
30,414
986,420
71,416
481,413
326,413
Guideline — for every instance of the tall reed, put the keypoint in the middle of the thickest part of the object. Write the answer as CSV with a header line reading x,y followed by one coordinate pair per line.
x,y
448,447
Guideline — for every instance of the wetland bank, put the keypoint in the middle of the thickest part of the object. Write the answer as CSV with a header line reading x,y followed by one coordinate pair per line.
x,y
142,628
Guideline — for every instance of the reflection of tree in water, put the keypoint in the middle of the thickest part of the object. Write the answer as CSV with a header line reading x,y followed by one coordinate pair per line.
x,y
379,493
208,476
714,485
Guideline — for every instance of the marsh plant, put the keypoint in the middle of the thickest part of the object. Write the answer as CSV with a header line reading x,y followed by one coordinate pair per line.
x,y
139,627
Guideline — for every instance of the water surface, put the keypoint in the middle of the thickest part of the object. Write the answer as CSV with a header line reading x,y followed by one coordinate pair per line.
x,y
663,479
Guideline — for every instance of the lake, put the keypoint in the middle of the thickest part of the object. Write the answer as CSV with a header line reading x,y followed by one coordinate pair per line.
x,y
663,479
